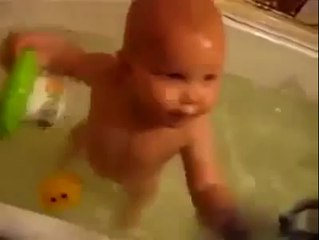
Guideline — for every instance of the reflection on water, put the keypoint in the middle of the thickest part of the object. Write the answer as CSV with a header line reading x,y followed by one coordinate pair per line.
x,y
267,143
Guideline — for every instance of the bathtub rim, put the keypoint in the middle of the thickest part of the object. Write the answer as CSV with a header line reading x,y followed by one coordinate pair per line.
x,y
267,34
19,223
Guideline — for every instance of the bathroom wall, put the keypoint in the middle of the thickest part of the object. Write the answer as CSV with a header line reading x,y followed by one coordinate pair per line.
x,y
290,7
309,13
304,11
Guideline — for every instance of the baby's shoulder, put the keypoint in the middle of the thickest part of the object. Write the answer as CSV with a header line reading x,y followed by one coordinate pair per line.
x,y
106,68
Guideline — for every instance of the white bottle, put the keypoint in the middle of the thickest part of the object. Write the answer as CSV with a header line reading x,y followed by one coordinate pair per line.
x,y
46,105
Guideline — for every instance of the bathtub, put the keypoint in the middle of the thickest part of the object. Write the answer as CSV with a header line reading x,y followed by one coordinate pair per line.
x,y
273,64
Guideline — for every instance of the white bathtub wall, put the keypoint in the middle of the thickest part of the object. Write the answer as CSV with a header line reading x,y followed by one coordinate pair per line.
x,y
270,60
15,224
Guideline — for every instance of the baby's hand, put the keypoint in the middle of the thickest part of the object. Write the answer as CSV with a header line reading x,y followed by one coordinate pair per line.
x,y
53,51
234,227
218,212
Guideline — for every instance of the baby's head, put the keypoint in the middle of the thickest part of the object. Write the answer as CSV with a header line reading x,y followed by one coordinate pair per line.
x,y
174,51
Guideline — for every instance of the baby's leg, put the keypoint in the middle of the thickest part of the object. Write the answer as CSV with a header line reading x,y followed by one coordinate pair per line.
x,y
76,143
139,196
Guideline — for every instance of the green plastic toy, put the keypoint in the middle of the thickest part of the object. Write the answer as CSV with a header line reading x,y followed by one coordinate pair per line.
x,y
17,89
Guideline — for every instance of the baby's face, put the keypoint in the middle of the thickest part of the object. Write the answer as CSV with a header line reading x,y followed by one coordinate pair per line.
x,y
180,78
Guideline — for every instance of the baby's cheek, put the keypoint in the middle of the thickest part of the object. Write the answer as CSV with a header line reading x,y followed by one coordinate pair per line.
x,y
170,97
208,101
159,90
212,100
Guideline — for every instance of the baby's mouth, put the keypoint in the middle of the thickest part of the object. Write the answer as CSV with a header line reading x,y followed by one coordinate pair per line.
x,y
178,116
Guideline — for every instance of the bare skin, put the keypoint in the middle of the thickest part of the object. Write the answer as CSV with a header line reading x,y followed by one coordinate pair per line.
x,y
150,102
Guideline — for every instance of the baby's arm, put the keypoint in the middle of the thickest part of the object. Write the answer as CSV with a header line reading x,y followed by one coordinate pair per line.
x,y
211,198
88,67
56,54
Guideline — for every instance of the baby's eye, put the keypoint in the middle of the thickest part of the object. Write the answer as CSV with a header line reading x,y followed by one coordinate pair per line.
x,y
210,77
177,76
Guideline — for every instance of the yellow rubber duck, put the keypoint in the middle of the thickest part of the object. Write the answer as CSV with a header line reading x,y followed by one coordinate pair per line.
x,y
60,191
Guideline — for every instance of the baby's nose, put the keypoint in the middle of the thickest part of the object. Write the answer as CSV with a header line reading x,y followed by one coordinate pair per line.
x,y
191,96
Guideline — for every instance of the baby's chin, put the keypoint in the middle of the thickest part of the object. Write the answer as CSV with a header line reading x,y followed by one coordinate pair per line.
x,y
175,121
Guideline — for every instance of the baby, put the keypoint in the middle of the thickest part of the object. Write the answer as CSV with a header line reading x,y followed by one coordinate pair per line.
x,y
150,102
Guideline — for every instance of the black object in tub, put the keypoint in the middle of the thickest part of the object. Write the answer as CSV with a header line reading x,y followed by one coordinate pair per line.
x,y
301,222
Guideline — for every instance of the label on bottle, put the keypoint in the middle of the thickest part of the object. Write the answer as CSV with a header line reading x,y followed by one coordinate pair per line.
x,y
47,103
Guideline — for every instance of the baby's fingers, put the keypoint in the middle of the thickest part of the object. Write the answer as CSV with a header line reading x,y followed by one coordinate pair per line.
x,y
16,42
7,51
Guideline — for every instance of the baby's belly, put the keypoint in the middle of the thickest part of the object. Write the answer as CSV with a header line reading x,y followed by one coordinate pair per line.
x,y
105,152
104,165
120,157
121,166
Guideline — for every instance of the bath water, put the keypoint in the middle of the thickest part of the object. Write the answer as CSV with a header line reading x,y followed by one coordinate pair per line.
x,y
266,144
